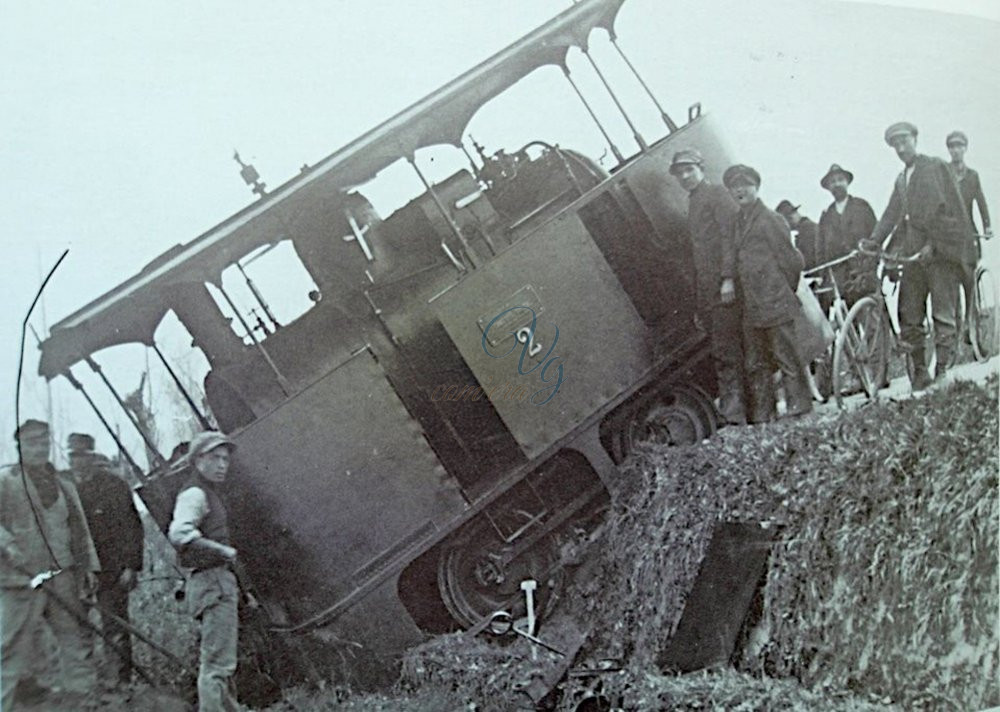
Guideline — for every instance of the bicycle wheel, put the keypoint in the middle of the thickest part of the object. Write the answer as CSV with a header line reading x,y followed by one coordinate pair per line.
x,y
985,318
860,353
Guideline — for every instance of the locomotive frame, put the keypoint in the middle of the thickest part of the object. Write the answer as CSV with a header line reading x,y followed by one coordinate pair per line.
x,y
446,418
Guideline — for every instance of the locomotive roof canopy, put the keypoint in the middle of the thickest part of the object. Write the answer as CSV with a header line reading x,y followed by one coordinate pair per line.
x,y
131,311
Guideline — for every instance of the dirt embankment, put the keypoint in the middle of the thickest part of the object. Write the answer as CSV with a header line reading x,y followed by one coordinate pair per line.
x,y
881,589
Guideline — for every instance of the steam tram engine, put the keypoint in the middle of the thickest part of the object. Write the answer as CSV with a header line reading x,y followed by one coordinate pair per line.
x,y
445,417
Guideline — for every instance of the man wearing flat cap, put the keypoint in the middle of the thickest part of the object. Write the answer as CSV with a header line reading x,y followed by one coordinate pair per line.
x,y
805,231
972,194
768,267
846,222
118,538
47,568
711,214
968,181
200,532
925,216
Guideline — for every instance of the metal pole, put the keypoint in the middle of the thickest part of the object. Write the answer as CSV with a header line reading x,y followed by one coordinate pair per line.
x,y
586,105
205,425
282,383
671,126
258,296
142,432
445,213
635,132
68,375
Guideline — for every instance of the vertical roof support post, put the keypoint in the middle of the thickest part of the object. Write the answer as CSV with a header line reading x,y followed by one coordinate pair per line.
x,y
445,213
671,126
68,375
202,420
142,432
282,382
635,132
611,144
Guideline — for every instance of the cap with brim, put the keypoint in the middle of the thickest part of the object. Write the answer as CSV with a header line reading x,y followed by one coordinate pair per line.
x,y
835,169
206,442
900,128
685,157
740,174
31,427
957,137
80,442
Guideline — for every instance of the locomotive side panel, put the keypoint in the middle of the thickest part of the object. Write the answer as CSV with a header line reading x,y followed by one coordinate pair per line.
x,y
365,489
587,346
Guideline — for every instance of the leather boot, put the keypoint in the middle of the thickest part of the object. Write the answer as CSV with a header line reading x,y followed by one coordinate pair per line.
x,y
921,378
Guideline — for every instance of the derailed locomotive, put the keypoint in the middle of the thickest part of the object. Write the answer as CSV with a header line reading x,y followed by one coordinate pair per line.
x,y
445,417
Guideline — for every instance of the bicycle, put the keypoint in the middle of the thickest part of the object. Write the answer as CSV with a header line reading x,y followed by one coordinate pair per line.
x,y
823,274
867,339
984,315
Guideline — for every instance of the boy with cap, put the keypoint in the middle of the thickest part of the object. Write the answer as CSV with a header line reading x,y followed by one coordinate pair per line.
x,y
118,538
846,222
769,268
805,230
200,531
44,539
925,217
711,214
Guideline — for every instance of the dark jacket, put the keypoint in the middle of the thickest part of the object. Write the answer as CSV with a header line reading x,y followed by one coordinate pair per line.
x,y
711,214
768,266
839,234
114,522
927,211
972,192
807,242
214,526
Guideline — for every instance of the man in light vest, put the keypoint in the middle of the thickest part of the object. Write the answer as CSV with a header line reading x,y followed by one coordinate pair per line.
x,y
200,532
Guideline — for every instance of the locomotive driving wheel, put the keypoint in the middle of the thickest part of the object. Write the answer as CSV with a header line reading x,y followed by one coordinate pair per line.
x,y
668,420
479,574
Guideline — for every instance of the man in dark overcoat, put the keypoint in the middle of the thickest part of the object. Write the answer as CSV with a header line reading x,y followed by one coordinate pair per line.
x,y
805,231
846,222
118,537
925,216
711,214
769,268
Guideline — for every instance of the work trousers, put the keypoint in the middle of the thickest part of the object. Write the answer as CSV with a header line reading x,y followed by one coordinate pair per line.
x,y
767,349
941,281
114,599
23,613
724,324
213,595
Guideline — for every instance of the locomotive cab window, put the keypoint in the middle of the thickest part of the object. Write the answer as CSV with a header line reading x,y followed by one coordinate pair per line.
x,y
265,291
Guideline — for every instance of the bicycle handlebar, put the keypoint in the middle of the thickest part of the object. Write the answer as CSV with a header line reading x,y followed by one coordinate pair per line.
x,y
832,263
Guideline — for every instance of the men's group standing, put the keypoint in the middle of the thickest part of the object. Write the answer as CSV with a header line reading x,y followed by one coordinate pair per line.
x,y
748,267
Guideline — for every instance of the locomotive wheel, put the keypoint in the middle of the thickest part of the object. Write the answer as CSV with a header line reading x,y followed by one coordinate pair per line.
x,y
698,399
474,581
666,421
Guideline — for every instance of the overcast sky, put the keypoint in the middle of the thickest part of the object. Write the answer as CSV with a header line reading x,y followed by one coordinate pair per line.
x,y
119,119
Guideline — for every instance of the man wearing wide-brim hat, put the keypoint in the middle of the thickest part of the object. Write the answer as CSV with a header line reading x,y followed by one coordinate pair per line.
x,y
200,532
846,222
711,214
926,217
44,539
768,268
804,229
